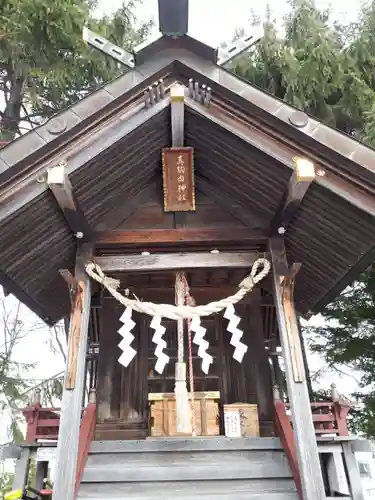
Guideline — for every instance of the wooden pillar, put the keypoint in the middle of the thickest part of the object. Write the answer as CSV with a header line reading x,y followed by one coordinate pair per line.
x,y
262,368
351,465
71,408
21,472
307,449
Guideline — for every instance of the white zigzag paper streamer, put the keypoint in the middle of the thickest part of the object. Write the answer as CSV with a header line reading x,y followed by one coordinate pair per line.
x,y
200,341
240,348
128,351
163,359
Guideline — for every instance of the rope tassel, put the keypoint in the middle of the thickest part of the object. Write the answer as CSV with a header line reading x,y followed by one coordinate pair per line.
x,y
183,417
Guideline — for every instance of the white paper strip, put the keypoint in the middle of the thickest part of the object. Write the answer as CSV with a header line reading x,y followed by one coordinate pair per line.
x,y
200,341
125,331
240,348
232,424
162,358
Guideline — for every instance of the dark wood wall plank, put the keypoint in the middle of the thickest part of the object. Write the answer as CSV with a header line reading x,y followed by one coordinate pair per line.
x,y
261,365
151,215
107,359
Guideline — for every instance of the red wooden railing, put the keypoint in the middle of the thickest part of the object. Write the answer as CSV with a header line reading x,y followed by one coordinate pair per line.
x,y
86,437
43,424
329,417
285,432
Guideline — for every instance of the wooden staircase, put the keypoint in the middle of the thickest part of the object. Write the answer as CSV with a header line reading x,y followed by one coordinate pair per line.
x,y
187,469
116,460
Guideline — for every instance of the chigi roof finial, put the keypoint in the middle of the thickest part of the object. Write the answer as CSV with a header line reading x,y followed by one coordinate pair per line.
x,y
173,17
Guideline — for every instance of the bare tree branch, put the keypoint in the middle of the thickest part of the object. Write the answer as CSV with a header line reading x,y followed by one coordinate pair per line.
x,y
58,342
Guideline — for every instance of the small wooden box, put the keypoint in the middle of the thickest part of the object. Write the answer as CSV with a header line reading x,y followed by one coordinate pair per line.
x,y
163,414
248,419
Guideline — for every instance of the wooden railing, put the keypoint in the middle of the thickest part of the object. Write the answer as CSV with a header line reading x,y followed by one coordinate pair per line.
x,y
86,437
329,418
285,432
43,424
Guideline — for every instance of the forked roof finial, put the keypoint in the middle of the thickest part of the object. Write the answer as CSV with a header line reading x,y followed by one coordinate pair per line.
x,y
173,17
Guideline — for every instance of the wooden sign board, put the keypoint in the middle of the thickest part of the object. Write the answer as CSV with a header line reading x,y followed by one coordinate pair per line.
x,y
45,454
178,180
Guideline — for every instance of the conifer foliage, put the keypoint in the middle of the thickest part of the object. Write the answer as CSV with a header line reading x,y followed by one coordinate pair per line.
x,y
328,70
45,65
319,66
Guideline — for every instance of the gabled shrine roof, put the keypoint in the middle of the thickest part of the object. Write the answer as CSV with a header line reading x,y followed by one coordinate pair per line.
x,y
244,142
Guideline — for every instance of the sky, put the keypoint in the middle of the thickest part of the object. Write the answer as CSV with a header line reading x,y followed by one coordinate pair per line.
x,y
215,21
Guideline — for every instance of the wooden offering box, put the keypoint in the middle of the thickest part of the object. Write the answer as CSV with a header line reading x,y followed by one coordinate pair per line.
x,y
241,420
163,414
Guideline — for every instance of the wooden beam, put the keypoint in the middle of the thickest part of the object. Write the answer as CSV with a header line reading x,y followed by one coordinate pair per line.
x,y
61,187
165,261
69,278
300,181
70,420
307,450
180,237
74,338
177,96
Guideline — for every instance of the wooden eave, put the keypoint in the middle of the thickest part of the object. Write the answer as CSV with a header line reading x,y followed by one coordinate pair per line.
x,y
244,147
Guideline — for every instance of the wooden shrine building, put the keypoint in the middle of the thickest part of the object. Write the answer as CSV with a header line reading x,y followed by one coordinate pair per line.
x,y
181,166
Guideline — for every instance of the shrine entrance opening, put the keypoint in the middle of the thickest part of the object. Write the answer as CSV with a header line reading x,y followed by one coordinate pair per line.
x,y
137,401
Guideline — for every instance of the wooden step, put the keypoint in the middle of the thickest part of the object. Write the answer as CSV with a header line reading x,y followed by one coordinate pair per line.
x,y
173,444
272,489
213,468
189,466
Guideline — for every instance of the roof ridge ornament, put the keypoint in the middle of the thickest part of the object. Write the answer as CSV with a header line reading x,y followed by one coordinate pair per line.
x,y
173,23
99,42
173,17
226,55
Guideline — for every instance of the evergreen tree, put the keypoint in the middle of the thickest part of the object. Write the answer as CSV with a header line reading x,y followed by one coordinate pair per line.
x,y
321,67
328,70
348,340
44,63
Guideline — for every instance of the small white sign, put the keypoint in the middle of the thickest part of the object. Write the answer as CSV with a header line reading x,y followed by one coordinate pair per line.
x,y
232,424
45,454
